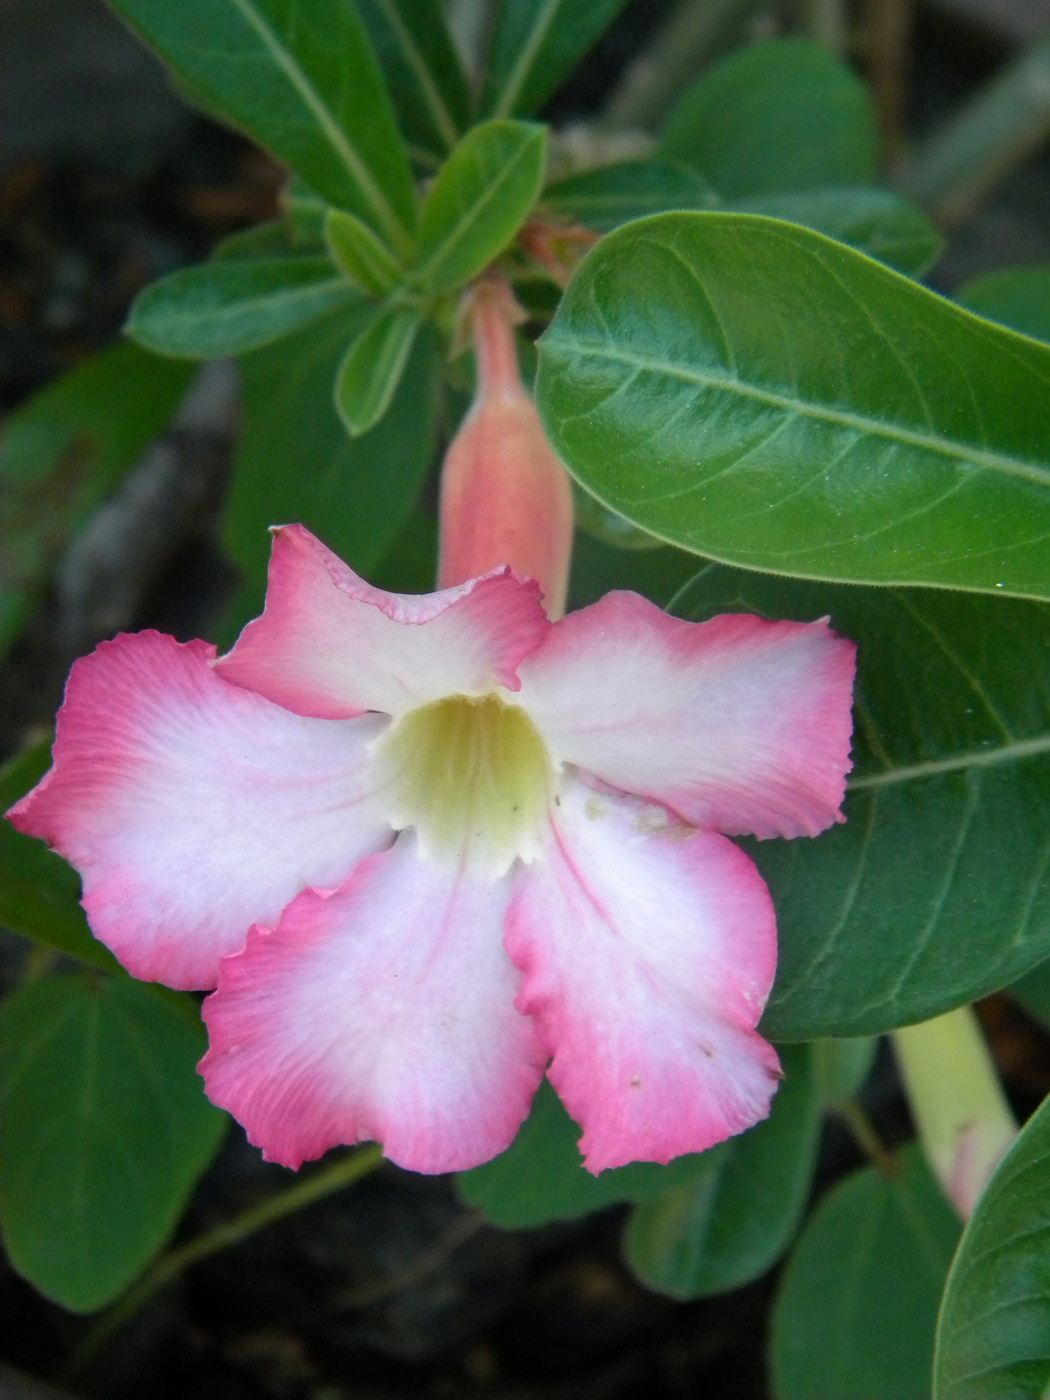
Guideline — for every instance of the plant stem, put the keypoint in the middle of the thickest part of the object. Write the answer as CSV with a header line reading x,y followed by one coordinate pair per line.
x,y
992,134
339,1174
868,1140
689,39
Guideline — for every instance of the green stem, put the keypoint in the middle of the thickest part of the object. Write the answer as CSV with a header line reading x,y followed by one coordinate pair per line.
x,y
339,1174
867,1139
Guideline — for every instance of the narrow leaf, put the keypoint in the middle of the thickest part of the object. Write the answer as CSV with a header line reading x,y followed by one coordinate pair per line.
x,y
934,891
360,255
535,45
760,394
483,194
857,1304
993,1335
231,306
726,1228
422,69
302,79
39,892
372,368
64,451
781,115
541,1176
354,493
1018,297
104,1129
614,194
880,223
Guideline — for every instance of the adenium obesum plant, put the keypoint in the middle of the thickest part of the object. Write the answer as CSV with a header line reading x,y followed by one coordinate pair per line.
x,y
428,848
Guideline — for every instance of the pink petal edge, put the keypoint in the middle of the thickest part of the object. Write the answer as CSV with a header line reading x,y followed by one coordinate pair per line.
x,y
382,1011
330,645
193,809
647,952
737,724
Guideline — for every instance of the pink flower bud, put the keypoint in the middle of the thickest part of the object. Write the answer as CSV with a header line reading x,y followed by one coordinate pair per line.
x,y
505,497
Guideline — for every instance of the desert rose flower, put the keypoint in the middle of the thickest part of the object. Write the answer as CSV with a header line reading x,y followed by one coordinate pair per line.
x,y
429,848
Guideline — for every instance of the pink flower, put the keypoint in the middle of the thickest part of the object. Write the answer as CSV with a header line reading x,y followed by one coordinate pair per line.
x,y
429,847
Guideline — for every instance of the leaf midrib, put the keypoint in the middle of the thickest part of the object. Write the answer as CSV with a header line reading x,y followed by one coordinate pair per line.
x,y
464,226
802,408
443,119
516,79
335,134
975,758
251,305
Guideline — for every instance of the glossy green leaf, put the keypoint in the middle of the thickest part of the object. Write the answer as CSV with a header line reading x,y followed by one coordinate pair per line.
x,y
39,892
295,461
541,1176
534,46
856,1309
935,890
104,1129
481,197
781,115
732,1223
64,451
993,1335
422,70
358,252
880,223
232,306
758,393
1018,297
614,194
300,76
372,367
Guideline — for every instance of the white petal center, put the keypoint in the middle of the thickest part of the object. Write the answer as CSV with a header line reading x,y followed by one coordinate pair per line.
x,y
474,778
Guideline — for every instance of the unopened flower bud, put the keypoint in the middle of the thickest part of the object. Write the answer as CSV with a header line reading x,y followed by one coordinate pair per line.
x,y
505,497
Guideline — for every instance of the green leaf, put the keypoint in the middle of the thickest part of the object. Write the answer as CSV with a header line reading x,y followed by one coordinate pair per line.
x,y
355,493
302,79
1018,297
359,253
64,451
1033,992
104,1129
481,197
305,211
729,1225
536,44
604,524
857,1304
422,70
273,239
229,307
541,1176
993,1334
39,892
880,223
598,566
781,115
760,394
372,368
934,891
614,194
841,1067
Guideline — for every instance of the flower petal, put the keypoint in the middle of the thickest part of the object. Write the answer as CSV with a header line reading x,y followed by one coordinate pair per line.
x,y
194,809
383,1010
738,724
329,644
647,954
